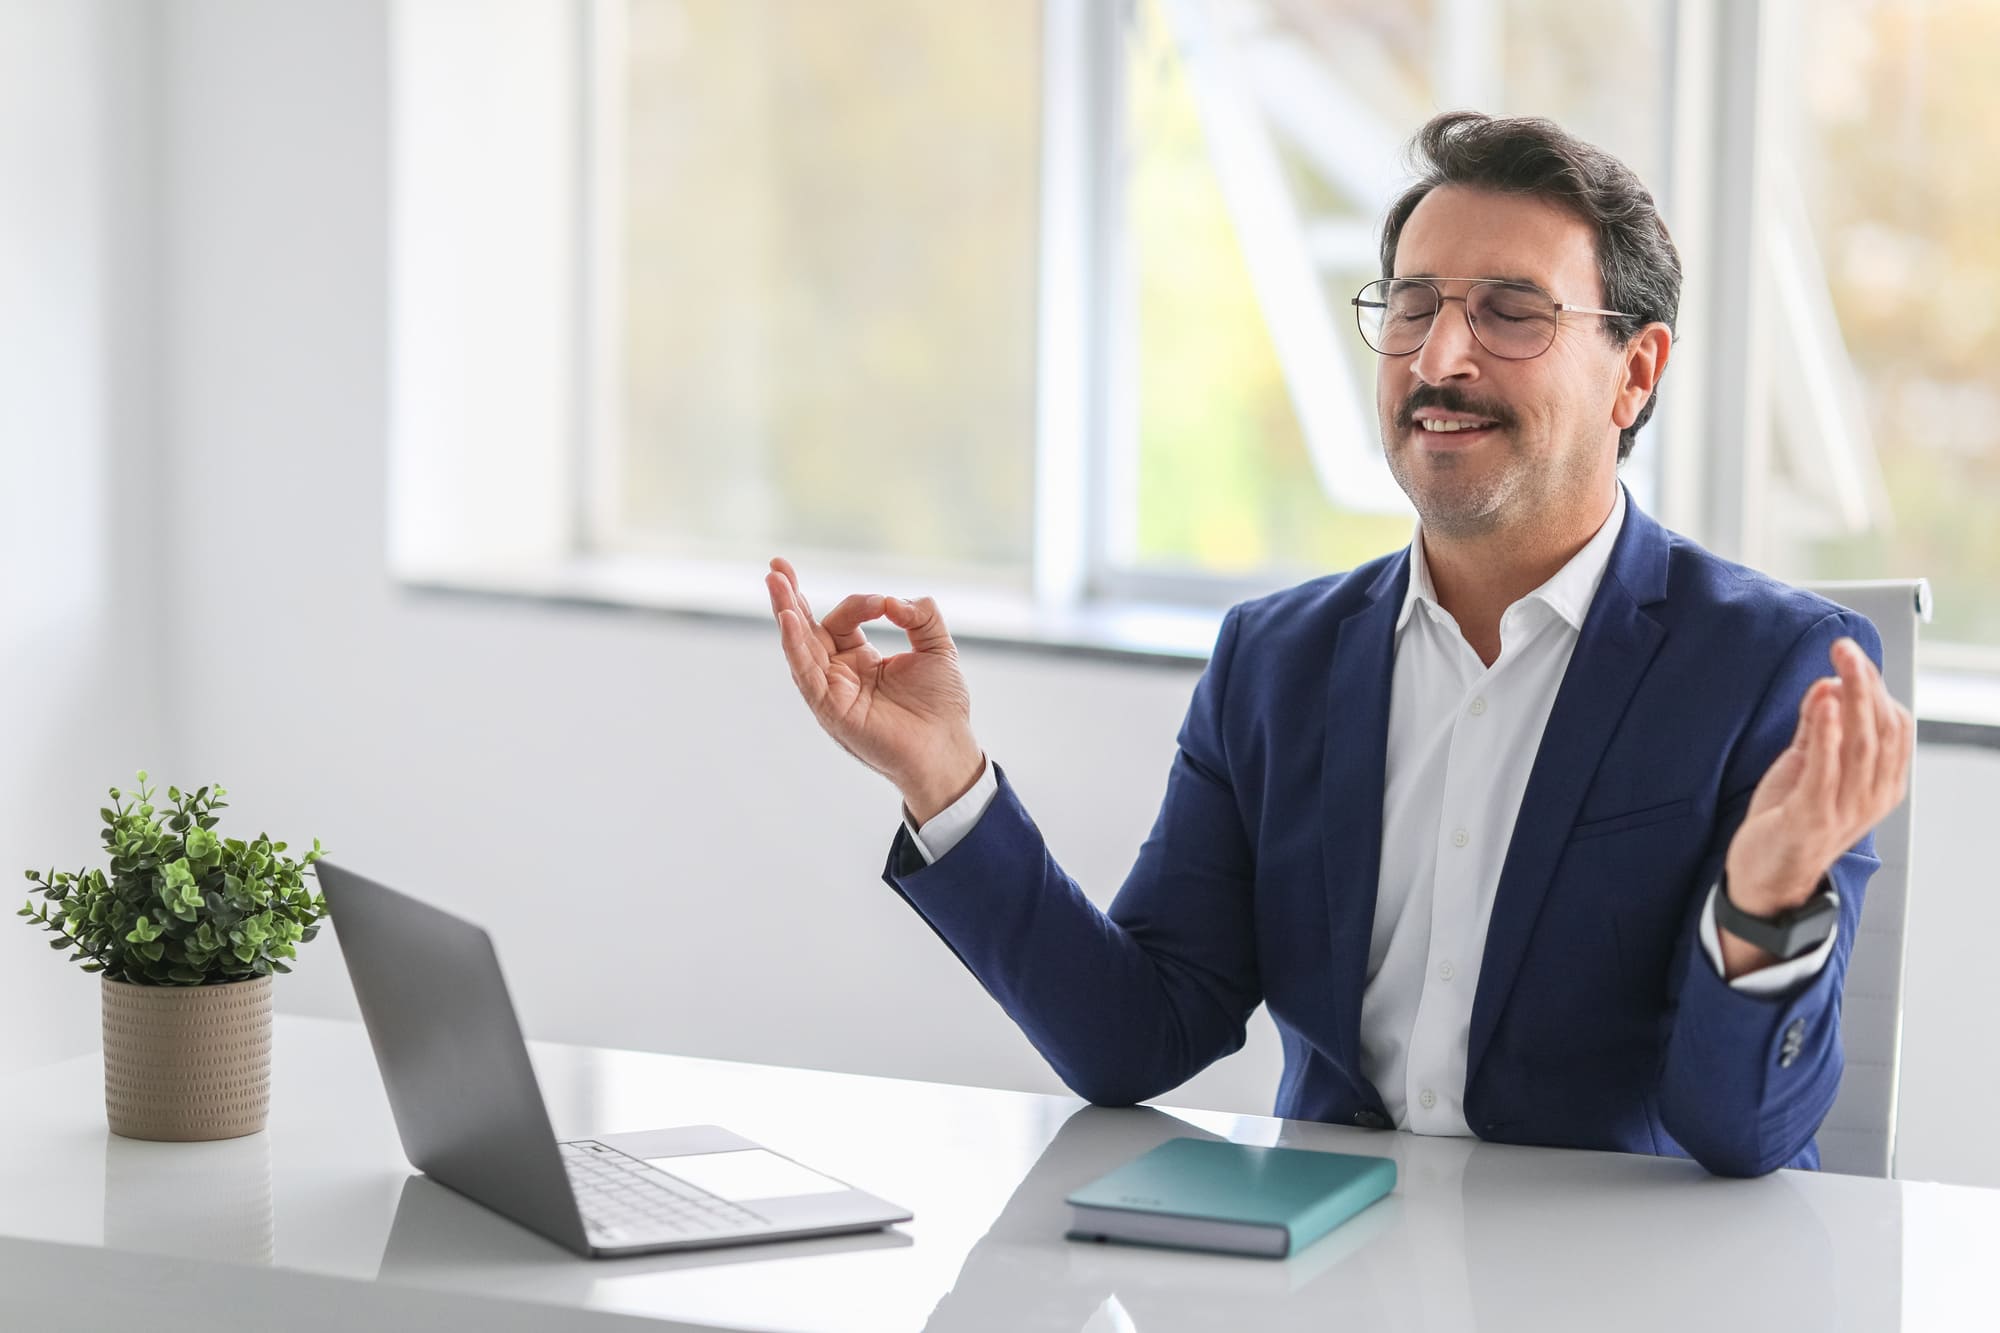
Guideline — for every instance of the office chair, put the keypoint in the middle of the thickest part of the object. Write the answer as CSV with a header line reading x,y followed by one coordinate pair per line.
x,y
1859,1134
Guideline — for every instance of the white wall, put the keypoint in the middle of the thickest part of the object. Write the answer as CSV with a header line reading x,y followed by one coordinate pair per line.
x,y
668,853
79,656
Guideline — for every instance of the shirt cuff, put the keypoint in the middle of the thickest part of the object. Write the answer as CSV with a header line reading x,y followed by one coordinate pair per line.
x,y
1778,976
948,827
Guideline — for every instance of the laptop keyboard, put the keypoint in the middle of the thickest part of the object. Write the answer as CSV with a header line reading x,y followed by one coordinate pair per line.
x,y
626,1201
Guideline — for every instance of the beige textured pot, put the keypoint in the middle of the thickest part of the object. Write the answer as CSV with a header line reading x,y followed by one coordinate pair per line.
x,y
183,1063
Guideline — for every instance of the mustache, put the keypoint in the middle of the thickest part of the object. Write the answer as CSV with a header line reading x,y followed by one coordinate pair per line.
x,y
1448,399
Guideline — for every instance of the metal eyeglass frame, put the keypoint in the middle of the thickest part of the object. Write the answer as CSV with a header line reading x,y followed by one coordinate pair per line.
x,y
1561,308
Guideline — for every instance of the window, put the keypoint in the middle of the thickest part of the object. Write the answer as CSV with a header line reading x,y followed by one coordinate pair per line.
x,y
833,346
1265,145
1895,219
819,297
1041,304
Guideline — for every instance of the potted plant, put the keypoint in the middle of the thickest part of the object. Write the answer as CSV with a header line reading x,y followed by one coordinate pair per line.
x,y
186,928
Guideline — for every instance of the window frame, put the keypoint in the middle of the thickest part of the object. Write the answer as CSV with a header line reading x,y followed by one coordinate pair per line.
x,y
1086,399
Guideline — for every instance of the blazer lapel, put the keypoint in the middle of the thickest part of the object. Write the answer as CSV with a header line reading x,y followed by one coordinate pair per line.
x,y
1351,783
1613,650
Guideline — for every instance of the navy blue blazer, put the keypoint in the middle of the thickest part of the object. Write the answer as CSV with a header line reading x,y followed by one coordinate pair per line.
x,y
1598,1022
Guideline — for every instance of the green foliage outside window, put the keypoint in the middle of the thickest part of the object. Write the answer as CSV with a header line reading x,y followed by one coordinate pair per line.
x,y
1226,485
1896,123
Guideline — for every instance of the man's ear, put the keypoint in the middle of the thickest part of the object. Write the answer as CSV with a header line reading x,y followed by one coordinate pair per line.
x,y
1645,361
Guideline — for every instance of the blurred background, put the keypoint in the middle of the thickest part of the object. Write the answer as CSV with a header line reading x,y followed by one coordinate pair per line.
x,y
399,400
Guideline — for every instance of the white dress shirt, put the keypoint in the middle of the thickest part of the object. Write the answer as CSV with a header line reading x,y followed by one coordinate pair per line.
x,y
1463,738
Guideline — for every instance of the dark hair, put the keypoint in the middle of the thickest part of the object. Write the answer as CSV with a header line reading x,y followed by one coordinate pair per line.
x,y
1636,259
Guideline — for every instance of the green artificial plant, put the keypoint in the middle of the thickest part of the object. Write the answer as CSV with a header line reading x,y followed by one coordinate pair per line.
x,y
180,906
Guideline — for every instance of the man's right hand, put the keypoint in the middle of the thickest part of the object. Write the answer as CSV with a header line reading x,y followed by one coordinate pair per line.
x,y
907,716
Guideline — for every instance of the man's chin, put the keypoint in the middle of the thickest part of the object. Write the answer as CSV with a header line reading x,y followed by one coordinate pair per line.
x,y
1457,511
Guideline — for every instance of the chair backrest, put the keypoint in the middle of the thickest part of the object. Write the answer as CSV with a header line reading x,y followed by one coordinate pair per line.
x,y
1859,1134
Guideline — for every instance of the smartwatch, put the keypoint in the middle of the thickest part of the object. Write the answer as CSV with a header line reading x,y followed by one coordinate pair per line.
x,y
1792,933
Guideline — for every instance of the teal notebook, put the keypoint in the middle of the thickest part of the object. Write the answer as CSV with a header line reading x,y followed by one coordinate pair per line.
x,y
1208,1194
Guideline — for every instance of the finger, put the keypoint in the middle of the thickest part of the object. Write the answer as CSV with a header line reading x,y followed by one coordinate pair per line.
x,y
784,597
1810,710
1888,735
844,622
783,567
1896,756
1820,733
921,621
1860,683
780,590
805,656
1783,783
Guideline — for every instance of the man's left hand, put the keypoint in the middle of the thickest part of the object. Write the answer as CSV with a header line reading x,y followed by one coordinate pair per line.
x,y
1848,765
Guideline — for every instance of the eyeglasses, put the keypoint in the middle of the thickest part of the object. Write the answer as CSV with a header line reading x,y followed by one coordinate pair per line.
x,y
1510,319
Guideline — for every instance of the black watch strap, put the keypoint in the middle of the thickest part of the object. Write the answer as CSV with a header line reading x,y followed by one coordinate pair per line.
x,y
1790,934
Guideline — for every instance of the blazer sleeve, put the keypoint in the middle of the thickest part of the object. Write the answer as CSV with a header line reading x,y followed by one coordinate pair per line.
x,y
1129,1003
1747,1078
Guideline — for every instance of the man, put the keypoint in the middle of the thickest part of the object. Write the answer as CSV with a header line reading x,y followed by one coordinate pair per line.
x,y
1549,829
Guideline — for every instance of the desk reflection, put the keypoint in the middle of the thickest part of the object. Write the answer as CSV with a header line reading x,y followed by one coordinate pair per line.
x,y
1023,1266
1468,1241
442,1239
192,1200
1681,1269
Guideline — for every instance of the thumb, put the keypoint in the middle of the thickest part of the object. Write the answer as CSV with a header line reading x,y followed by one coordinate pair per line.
x,y
921,621
1779,779
1782,778
1805,757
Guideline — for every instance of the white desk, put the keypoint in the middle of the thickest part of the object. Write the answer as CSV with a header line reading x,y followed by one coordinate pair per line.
x,y
336,1232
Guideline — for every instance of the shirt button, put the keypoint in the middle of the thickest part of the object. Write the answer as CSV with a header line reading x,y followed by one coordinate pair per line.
x,y
1446,970
1460,837
1478,706
1428,1099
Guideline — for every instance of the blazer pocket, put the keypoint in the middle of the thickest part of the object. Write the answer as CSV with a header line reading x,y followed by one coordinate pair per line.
x,y
1632,819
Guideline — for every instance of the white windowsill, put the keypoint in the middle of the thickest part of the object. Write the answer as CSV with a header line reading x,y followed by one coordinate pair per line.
x,y
1959,698
1956,706
1156,634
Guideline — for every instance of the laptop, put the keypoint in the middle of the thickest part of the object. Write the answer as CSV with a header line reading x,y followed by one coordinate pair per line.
x,y
471,1114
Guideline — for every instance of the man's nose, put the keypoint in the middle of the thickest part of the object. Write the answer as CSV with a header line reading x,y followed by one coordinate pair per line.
x,y
1451,352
